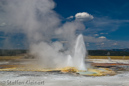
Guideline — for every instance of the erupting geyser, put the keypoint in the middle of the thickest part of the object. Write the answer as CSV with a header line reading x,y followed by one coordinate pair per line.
x,y
79,54
78,59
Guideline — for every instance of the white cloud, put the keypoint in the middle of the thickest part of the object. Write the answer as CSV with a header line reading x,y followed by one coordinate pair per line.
x,y
101,33
91,39
71,17
96,34
84,16
115,44
2,37
102,43
106,24
2,24
102,37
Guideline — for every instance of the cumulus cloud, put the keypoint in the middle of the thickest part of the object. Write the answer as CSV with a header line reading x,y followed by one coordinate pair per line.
x,y
84,16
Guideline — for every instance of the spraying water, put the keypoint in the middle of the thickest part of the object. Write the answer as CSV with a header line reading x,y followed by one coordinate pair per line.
x,y
79,53
78,59
69,61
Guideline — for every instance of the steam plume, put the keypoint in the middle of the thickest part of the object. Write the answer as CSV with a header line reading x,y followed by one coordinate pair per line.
x,y
38,20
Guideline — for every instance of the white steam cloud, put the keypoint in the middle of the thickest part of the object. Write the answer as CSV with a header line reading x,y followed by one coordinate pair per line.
x,y
40,23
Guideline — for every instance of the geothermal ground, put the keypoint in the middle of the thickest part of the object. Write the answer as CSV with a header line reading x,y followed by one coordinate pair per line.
x,y
57,79
31,78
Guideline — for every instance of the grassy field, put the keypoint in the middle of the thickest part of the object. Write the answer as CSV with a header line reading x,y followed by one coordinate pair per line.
x,y
6,58
106,57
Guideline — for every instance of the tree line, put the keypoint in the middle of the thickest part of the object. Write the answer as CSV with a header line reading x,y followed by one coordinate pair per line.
x,y
5,52
107,53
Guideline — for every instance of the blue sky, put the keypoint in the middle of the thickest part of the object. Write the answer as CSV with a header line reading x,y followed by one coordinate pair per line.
x,y
115,11
111,19
108,29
